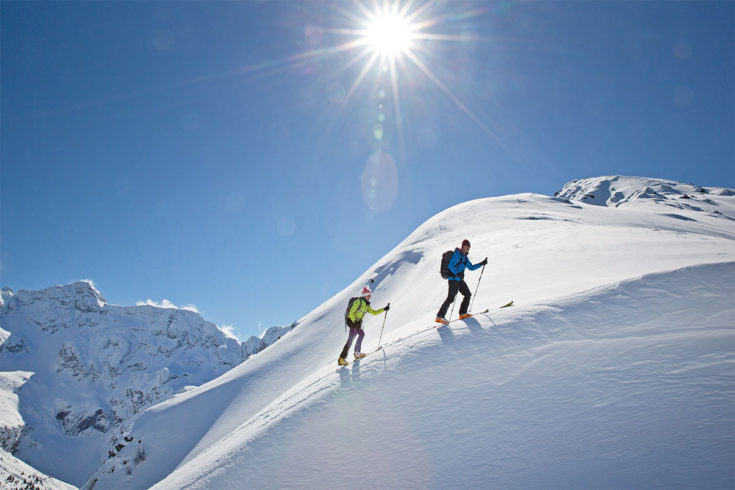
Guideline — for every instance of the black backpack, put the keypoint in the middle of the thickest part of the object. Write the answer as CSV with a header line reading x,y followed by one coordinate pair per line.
x,y
349,307
444,269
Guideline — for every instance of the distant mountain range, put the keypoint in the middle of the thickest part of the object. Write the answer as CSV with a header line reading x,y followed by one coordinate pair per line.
x,y
77,371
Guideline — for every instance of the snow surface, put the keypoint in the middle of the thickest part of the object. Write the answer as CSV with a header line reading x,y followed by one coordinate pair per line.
x,y
14,473
11,421
616,367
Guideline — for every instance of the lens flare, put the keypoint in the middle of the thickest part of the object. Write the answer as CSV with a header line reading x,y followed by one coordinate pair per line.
x,y
286,227
380,182
378,131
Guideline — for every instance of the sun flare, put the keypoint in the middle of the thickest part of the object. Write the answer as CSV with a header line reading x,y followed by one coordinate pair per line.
x,y
389,34
392,44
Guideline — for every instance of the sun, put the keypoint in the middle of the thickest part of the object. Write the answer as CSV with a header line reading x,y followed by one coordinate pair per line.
x,y
389,34
390,43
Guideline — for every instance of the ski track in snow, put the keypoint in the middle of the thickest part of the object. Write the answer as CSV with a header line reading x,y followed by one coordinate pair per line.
x,y
669,388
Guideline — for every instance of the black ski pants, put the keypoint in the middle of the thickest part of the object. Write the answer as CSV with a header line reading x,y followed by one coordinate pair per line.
x,y
454,287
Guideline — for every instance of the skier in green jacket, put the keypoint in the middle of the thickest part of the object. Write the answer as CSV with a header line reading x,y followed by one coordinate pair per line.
x,y
357,311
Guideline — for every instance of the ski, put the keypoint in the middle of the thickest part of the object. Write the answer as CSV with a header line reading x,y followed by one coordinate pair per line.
x,y
439,324
487,310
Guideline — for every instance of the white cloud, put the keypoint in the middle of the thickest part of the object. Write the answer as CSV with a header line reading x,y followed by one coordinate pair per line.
x,y
90,282
166,304
229,331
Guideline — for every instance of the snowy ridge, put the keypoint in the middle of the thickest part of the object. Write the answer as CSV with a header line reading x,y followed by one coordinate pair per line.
x,y
619,191
622,321
15,474
75,371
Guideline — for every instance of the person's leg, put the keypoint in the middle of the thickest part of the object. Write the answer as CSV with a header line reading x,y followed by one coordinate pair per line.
x,y
346,348
453,288
358,344
465,290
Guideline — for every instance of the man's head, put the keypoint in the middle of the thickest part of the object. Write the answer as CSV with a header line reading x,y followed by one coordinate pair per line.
x,y
366,293
465,246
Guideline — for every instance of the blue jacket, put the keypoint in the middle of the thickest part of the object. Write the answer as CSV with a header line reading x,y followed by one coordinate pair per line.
x,y
457,265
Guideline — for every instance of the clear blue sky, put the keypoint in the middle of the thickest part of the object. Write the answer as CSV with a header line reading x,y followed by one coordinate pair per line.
x,y
249,159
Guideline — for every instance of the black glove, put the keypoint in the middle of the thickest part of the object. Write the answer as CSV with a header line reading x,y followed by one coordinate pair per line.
x,y
484,262
387,307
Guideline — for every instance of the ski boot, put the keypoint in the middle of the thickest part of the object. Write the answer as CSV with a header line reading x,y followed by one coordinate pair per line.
x,y
441,319
359,355
341,361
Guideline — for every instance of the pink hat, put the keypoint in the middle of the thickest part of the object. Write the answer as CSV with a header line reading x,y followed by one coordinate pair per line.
x,y
366,291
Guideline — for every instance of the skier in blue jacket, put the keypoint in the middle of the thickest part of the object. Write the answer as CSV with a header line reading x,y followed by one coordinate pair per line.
x,y
457,265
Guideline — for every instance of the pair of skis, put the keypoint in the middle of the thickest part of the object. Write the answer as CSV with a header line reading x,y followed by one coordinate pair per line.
x,y
488,310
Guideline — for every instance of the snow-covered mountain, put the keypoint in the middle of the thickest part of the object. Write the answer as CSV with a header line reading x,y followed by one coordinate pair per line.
x,y
615,368
618,191
75,371
15,474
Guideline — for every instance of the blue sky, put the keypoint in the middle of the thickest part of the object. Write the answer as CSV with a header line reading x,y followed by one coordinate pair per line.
x,y
248,157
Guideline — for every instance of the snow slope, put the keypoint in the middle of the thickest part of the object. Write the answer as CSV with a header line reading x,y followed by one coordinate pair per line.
x,y
615,367
513,401
15,474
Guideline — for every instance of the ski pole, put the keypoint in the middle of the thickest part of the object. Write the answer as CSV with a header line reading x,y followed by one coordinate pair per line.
x,y
478,287
381,330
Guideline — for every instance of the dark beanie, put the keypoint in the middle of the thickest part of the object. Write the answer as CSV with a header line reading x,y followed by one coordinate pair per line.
x,y
465,242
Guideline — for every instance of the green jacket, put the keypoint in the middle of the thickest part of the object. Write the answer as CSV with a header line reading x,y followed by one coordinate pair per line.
x,y
359,307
